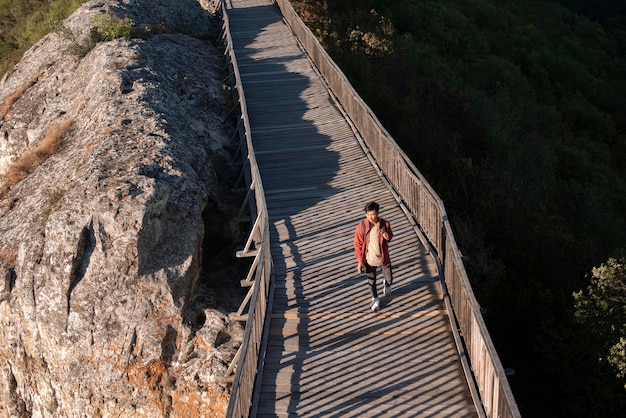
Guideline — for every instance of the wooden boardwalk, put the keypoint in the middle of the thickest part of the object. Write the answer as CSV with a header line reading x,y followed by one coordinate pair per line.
x,y
327,354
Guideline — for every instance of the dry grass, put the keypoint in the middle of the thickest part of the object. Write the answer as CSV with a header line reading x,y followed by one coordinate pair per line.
x,y
12,98
32,159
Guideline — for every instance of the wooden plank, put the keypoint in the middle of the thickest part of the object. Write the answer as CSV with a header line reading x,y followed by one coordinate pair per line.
x,y
361,408
435,377
308,360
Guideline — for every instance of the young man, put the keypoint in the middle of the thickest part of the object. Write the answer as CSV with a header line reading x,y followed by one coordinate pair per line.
x,y
371,251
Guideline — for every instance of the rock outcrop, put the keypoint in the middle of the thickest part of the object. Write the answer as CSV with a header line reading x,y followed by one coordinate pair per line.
x,y
111,155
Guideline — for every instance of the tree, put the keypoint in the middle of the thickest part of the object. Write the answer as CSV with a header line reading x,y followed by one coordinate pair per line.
x,y
602,309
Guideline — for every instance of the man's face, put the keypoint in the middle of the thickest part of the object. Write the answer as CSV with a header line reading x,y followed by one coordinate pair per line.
x,y
372,216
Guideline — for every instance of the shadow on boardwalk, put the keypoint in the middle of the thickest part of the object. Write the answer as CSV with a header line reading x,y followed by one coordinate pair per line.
x,y
327,354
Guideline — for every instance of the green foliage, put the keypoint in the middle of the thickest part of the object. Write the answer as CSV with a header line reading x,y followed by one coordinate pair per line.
x,y
77,43
24,22
112,27
617,357
108,27
602,308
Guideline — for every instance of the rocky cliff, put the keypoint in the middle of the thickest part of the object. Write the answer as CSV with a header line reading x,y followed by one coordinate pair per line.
x,y
113,201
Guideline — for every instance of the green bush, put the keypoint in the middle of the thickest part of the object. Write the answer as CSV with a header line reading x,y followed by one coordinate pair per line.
x,y
112,27
77,44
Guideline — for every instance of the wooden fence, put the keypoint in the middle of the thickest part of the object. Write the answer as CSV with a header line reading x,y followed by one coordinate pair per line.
x,y
245,363
429,212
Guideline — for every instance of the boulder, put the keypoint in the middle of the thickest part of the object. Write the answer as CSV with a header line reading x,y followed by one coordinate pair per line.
x,y
111,154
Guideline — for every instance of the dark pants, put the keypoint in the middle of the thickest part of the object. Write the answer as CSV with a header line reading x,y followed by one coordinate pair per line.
x,y
370,272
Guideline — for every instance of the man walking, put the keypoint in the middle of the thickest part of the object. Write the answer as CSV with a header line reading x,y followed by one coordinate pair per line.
x,y
371,251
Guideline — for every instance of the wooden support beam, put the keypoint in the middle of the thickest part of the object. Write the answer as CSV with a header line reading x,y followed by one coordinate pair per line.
x,y
239,144
225,62
247,252
235,317
224,379
242,174
245,201
230,74
245,300
250,278
233,363
235,107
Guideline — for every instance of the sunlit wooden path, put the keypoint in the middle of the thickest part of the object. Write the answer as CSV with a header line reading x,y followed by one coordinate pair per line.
x,y
328,355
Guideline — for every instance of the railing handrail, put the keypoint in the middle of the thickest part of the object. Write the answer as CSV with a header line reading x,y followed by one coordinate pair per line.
x,y
247,365
429,211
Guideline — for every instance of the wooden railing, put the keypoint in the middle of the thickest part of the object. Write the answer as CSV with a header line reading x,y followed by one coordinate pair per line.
x,y
246,361
430,214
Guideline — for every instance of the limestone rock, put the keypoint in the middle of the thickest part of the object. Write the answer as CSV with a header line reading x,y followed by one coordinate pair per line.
x,y
102,309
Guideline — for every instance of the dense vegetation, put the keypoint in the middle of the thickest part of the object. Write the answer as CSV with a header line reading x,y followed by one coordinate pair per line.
x,y
24,22
514,111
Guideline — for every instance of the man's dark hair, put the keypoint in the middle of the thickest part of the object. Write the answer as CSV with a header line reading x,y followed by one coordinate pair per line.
x,y
372,206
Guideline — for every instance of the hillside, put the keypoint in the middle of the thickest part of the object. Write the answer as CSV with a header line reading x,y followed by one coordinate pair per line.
x,y
514,113
24,22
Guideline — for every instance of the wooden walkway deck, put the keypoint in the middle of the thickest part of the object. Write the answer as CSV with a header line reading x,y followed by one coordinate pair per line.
x,y
328,355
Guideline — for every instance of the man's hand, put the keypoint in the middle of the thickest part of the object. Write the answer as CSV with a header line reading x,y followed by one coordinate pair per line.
x,y
360,268
386,235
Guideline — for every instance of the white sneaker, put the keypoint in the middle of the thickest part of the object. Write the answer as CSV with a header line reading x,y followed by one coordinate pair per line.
x,y
387,289
375,304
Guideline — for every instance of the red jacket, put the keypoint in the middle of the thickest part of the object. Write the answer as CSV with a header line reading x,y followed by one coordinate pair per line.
x,y
361,240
